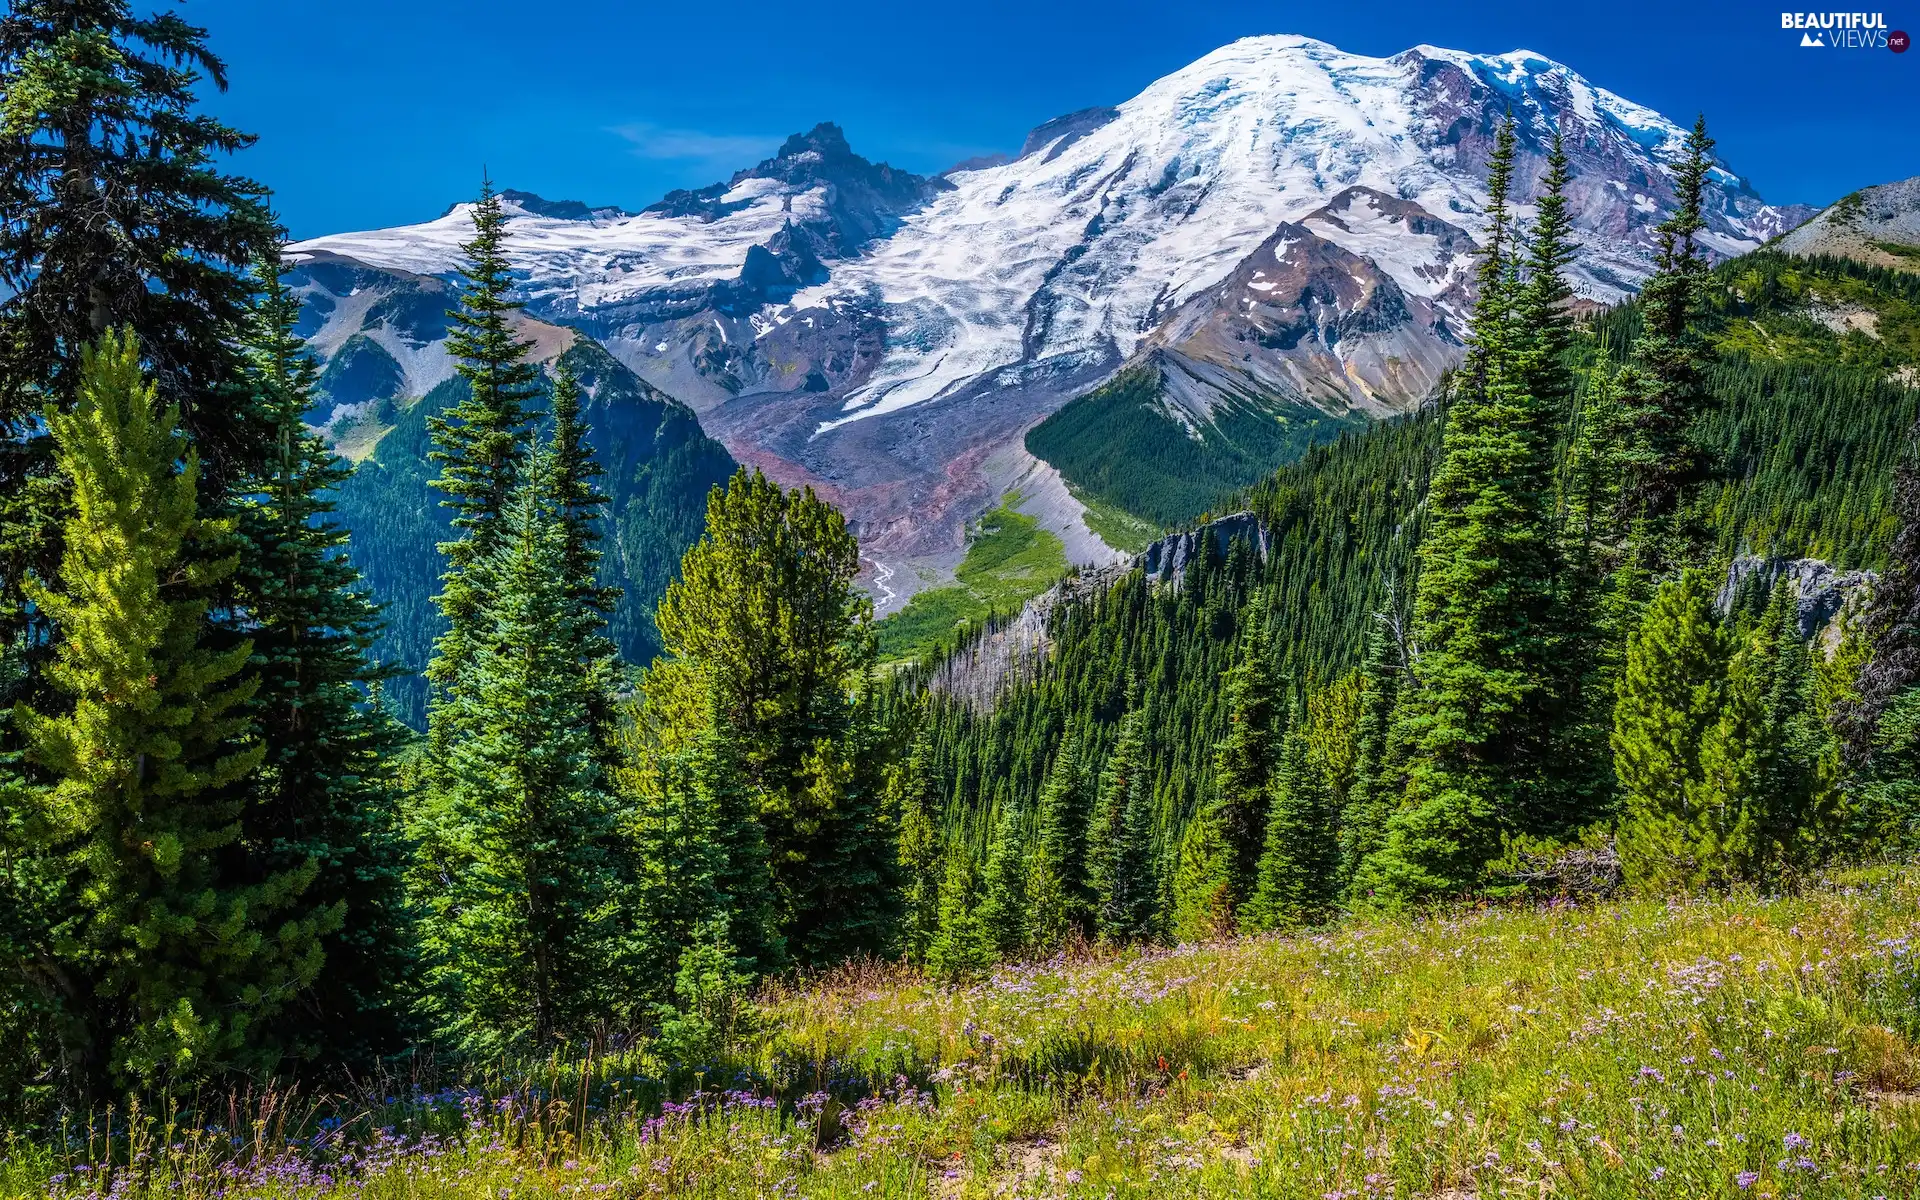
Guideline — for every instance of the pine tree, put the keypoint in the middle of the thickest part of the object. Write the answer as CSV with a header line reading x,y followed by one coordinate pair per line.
x,y
1479,722
1003,902
479,444
514,873
1120,862
582,508
1297,881
170,961
962,946
1244,760
324,792
765,617
1688,740
1058,890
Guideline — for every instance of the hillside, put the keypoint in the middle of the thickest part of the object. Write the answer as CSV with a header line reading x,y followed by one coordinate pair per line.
x,y
1729,1047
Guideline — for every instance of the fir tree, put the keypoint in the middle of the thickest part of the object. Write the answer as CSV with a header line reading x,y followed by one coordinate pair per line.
x,y
962,946
1003,902
514,873
1059,891
324,792
1798,791
919,847
117,216
742,878
1663,461
1120,863
479,444
1363,822
1297,880
1479,722
1203,884
677,863
1541,305
172,963
582,507
1244,760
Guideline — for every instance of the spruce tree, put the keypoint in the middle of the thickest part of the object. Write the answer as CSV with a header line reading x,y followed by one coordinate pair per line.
x,y
1541,306
1244,759
1298,880
920,846
1120,861
677,862
1003,900
1363,822
171,963
1663,460
1478,723
514,874
743,877
582,508
479,445
325,791
1058,890
117,216
962,946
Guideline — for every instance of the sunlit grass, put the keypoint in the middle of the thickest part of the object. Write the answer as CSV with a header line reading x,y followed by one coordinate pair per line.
x,y
1709,1047
1010,560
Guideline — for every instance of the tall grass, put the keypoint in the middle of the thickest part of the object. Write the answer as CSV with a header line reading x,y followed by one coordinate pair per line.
x,y
1708,1047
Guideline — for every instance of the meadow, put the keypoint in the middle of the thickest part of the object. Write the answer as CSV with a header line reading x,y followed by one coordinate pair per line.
x,y
1723,1046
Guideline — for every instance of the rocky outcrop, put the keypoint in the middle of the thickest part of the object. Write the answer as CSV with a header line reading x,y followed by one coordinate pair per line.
x,y
1166,560
1012,649
1820,592
1878,225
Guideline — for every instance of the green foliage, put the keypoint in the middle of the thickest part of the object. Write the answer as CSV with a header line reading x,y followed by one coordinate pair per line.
x,y
1009,560
1120,852
962,945
1243,770
1203,899
514,871
1004,900
325,792
1118,445
715,1010
1298,879
167,960
1057,888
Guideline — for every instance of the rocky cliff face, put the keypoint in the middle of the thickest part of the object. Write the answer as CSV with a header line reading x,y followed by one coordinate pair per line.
x,y
1878,225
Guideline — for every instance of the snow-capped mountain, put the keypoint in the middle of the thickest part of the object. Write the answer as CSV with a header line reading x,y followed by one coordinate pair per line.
x,y
1279,216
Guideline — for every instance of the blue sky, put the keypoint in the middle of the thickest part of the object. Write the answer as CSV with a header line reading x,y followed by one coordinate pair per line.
x,y
373,112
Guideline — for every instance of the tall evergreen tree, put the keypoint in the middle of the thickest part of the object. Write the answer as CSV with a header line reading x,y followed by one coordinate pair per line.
x,y
743,877
582,508
1298,877
1363,822
920,846
324,792
514,873
168,961
1479,721
1057,888
765,619
1892,625
1003,899
1244,760
1203,883
1663,461
1542,314
116,216
479,444
1120,859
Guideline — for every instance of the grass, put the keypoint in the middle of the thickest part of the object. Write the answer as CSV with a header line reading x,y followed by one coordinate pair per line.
x,y
1009,560
1116,526
1709,1047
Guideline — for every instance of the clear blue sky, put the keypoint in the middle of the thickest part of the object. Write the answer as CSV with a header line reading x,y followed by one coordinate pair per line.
x,y
380,112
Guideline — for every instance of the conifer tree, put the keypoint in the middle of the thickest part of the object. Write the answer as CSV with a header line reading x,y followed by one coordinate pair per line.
x,y
1479,722
1003,901
514,873
116,216
742,874
1059,891
1541,313
1120,861
1798,793
765,617
1363,822
1298,880
324,792
1244,760
171,963
1663,460
479,444
920,847
676,867
962,946
582,508
1891,628
1202,885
